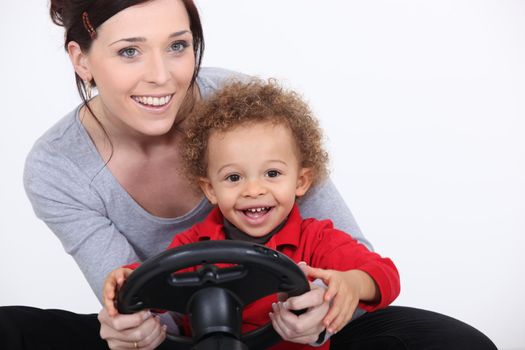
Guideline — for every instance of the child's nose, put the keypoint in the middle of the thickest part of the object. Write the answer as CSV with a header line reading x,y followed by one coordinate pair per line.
x,y
254,188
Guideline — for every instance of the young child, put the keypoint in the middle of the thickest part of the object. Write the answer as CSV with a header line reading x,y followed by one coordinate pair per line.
x,y
254,149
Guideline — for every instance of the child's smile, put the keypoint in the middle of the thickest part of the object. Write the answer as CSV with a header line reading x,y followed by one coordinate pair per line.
x,y
257,215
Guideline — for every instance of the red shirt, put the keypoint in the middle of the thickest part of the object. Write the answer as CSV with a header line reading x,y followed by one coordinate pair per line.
x,y
315,242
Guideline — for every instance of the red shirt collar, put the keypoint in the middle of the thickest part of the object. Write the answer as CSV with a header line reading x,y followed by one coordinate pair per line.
x,y
211,229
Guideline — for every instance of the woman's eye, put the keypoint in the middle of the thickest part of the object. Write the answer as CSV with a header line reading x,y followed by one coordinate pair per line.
x,y
128,52
233,178
178,46
273,173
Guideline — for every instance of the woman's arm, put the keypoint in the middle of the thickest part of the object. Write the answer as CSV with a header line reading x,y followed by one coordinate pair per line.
x,y
324,202
62,196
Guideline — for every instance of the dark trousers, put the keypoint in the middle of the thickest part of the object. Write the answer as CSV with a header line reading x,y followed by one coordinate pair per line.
x,y
393,328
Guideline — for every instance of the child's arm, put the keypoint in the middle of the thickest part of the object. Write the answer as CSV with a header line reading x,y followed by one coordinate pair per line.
x,y
113,282
345,290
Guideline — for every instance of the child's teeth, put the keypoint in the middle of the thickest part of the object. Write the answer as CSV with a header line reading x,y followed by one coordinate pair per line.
x,y
257,210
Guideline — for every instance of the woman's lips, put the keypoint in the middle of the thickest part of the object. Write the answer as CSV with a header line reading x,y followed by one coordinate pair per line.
x,y
154,103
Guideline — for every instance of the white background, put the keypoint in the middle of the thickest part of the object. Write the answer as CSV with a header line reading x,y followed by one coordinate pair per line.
x,y
423,106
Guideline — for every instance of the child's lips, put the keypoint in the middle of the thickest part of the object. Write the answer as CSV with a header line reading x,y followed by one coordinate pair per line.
x,y
256,211
256,215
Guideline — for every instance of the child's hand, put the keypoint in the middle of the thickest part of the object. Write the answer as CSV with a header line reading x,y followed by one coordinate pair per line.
x,y
113,282
345,289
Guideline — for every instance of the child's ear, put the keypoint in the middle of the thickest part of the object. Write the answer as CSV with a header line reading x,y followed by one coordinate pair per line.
x,y
207,188
304,181
79,61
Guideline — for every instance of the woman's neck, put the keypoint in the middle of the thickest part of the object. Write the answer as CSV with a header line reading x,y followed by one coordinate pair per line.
x,y
109,133
148,169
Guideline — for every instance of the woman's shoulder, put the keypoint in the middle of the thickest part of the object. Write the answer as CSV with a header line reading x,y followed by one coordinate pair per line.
x,y
60,128
65,145
212,78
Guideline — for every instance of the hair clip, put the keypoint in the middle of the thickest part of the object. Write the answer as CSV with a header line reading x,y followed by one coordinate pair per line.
x,y
88,26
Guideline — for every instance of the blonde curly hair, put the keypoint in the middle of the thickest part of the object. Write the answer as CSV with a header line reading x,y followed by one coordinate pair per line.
x,y
256,101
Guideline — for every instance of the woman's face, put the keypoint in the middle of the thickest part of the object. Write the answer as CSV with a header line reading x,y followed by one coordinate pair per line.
x,y
142,62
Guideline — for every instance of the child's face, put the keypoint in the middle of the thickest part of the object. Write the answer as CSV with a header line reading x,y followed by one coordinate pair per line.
x,y
254,176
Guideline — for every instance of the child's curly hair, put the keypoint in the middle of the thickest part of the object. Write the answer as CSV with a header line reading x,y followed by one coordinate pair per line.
x,y
256,101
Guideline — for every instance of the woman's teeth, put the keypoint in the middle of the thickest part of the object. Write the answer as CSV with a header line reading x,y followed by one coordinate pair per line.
x,y
152,101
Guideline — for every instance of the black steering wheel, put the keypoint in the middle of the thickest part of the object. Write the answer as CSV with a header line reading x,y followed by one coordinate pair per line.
x,y
213,297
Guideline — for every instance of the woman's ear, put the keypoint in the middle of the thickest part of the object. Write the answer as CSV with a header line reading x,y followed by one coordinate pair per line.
x,y
207,189
304,181
79,60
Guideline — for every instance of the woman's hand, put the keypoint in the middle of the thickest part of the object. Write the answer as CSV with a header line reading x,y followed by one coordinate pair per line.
x,y
141,330
305,328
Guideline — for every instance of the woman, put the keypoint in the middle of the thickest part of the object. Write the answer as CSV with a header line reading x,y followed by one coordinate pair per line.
x,y
105,180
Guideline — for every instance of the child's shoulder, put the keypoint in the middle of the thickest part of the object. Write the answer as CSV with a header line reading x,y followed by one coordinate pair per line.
x,y
316,224
321,228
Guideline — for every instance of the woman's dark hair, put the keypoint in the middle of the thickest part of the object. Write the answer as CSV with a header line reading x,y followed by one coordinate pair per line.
x,y
70,13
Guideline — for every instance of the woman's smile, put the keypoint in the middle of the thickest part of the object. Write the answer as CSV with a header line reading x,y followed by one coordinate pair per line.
x,y
158,103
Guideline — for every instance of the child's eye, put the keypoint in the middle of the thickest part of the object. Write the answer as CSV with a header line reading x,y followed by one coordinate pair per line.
x,y
233,178
128,52
273,173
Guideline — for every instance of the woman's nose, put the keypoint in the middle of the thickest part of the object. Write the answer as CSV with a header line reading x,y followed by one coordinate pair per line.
x,y
157,70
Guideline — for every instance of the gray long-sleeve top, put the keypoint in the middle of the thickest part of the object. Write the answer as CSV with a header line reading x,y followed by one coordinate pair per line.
x,y
98,222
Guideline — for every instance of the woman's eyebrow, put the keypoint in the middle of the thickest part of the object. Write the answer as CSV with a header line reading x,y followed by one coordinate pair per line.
x,y
137,39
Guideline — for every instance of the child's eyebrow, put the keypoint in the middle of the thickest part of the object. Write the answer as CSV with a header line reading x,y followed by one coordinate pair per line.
x,y
277,161
271,162
225,166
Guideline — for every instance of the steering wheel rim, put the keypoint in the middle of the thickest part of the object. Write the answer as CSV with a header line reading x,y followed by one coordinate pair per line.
x,y
153,285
